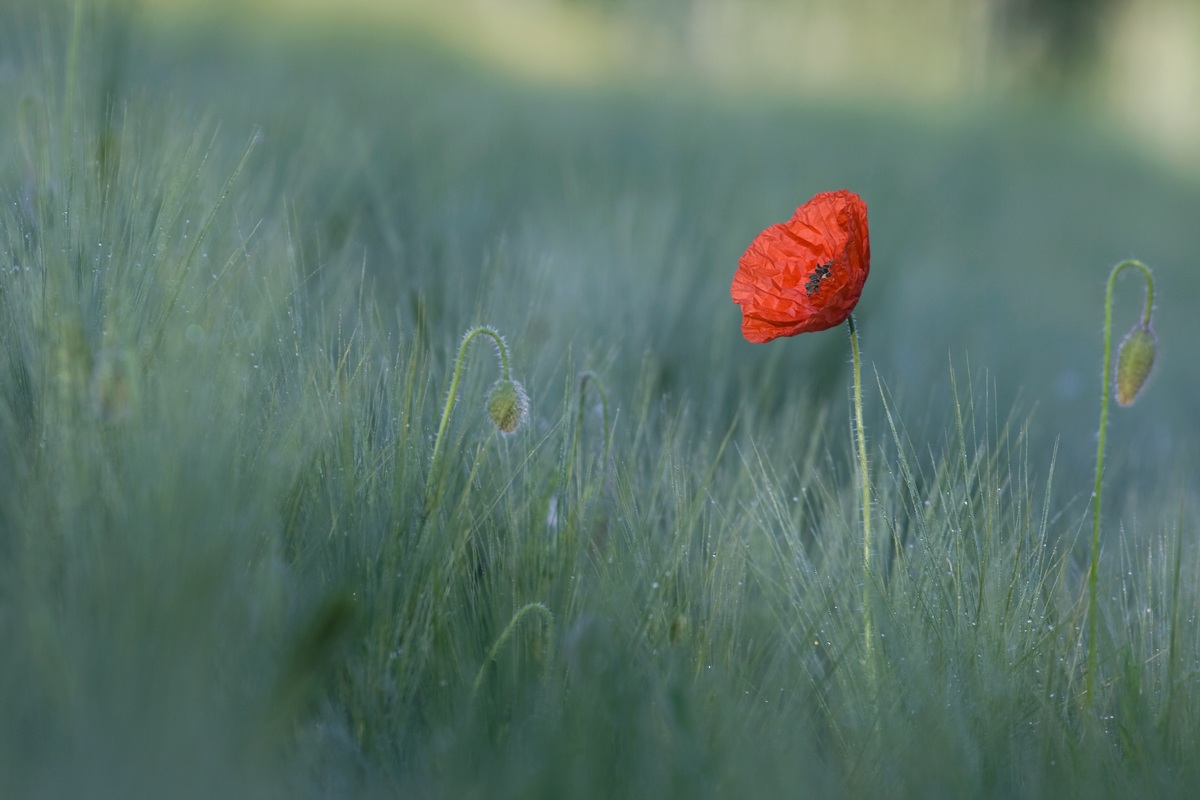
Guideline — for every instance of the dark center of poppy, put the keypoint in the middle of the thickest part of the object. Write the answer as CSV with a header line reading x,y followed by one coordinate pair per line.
x,y
814,280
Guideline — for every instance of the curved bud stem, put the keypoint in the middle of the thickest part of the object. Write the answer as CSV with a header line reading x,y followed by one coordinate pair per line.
x,y
584,378
866,494
453,393
526,609
1104,392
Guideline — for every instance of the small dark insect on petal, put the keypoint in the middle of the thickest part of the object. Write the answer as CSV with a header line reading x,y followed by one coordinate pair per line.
x,y
814,280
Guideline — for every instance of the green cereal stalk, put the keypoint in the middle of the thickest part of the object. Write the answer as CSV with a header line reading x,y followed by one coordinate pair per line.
x,y
1105,389
70,78
1172,671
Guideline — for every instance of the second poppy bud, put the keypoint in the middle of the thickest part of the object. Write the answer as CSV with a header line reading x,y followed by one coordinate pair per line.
x,y
507,405
1135,360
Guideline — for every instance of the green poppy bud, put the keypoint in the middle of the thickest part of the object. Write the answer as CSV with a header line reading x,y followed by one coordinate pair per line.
x,y
1135,359
507,405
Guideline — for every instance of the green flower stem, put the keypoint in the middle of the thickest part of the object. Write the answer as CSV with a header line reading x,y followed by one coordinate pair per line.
x,y
453,393
531,607
584,378
1104,392
866,492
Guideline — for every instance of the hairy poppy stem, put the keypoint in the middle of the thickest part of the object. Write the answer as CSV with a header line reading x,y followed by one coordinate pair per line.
x,y
866,491
453,393
1105,389
526,609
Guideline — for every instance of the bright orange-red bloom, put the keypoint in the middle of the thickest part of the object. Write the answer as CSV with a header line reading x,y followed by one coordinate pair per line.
x,y
805,274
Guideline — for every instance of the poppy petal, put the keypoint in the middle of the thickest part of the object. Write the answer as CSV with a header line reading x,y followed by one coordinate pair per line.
x,y
805,274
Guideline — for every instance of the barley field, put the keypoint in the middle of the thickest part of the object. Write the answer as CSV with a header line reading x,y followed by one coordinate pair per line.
x,y
252,544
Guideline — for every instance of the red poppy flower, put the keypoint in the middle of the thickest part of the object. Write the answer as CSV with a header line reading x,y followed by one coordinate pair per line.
x,y
805,274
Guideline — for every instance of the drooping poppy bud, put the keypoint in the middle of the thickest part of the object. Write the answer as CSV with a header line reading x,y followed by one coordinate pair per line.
x,y
507,405
1135,359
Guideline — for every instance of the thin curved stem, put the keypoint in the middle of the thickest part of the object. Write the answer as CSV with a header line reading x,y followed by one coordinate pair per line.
x,y
453,393
584,378
866,491
1104,392
507,632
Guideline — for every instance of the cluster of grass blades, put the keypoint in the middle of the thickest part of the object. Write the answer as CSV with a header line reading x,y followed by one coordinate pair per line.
x,y
257,538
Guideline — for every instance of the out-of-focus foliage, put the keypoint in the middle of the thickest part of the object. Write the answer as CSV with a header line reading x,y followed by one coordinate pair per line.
x,y
234,276
1065,33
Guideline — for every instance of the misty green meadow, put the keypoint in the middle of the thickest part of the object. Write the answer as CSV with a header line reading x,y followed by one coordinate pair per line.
x,y
273,525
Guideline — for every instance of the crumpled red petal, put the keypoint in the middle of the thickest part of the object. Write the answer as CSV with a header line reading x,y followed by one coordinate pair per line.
x,y
805,274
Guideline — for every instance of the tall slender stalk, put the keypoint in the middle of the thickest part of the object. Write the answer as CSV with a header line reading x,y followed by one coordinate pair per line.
x,y
1172,671
866,491
1104,392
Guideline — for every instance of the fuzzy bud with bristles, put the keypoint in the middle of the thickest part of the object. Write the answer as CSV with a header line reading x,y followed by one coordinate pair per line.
x,y
1135,359
507,405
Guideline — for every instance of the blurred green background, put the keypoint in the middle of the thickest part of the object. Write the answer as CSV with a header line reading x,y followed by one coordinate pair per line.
x,y
583,176
623,152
